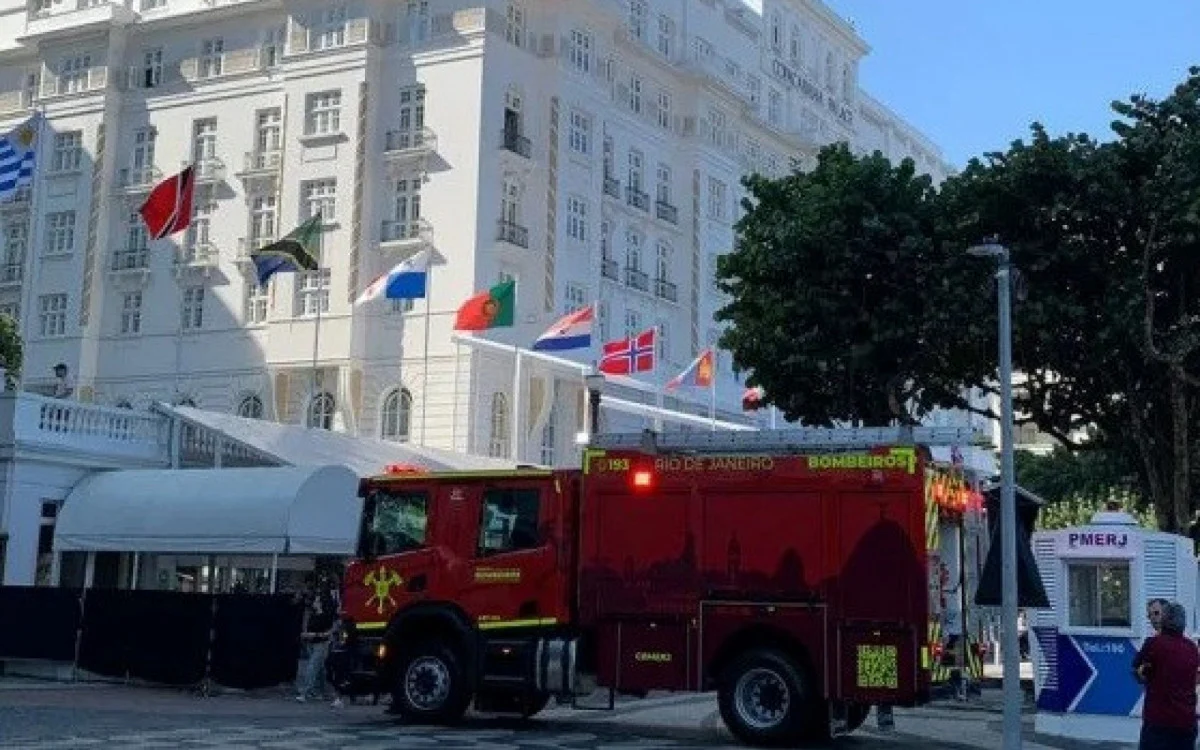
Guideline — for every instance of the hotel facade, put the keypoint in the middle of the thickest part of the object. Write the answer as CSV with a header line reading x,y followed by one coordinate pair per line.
x,y
589,149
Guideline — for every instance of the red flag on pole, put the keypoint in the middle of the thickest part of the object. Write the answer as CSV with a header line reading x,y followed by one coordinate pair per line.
x,y
627,356
168,208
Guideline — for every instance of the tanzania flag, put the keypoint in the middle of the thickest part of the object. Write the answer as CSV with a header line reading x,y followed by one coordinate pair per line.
x,y
491,309
295,252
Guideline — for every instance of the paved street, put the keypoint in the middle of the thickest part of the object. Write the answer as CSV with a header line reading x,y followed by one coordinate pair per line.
x,y
43,716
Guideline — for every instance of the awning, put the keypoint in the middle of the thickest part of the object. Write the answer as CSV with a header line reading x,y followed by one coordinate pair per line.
x,y
298,510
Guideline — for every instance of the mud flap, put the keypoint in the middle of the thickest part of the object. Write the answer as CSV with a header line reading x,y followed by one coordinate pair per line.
x,y
885,720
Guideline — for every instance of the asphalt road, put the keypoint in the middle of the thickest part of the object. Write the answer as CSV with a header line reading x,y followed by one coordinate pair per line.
x,y
49,717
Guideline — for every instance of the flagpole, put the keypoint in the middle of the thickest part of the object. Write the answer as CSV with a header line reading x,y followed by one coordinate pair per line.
x,y
36,192
320,304
659,385
425,352
712,393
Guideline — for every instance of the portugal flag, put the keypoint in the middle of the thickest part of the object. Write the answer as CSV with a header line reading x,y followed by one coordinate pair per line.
x,y
493,308
168,208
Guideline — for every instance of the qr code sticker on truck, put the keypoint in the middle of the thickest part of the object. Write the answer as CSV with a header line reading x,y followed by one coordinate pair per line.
x,y
878,667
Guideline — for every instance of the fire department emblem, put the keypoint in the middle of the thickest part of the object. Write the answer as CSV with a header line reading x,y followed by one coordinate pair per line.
x,y
381,581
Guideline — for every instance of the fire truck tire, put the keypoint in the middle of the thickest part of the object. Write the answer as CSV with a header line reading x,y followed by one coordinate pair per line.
x,y
765,700
431,685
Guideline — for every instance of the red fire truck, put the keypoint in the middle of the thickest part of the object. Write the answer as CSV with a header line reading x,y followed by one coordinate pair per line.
x,y
785,570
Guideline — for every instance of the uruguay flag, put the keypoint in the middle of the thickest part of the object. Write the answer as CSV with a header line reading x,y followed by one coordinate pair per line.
x,y
18,156
572,331
407,280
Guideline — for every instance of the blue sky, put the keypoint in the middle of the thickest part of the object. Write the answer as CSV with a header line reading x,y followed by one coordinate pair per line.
x,y
972,74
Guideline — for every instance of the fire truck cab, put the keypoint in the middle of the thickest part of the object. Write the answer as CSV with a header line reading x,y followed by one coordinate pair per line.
x,y
784,570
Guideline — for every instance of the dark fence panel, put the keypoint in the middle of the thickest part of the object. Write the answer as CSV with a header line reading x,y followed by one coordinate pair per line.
x,y
256,641
169,636
38,623
243,641
105,632
160,636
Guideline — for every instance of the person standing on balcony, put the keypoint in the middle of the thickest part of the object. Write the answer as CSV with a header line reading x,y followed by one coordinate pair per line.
x,y
62,382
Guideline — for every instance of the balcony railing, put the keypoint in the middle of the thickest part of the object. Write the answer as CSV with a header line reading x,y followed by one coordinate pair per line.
x,y
18,201
93,430
262,161
636,279
197,254
413,230
517,144
412,139
210,169
138,178
247,245
612,187
637,198
12,273
131,260
513,234
609,269
666,212
667,290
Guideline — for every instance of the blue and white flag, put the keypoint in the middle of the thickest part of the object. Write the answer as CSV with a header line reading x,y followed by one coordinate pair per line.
x,y
406,280
18,156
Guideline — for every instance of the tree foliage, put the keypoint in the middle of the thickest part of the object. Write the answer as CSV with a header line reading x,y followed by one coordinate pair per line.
x,y
1089,475
852,297
11,350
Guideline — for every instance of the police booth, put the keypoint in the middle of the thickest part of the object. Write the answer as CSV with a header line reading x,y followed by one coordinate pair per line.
x,y
1099,579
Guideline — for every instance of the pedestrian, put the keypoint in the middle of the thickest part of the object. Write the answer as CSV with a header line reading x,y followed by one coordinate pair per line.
x,y
318,629
1154,612
1168,665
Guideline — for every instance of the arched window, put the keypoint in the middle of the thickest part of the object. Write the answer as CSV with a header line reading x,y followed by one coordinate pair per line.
x,y
251,407
320,411
396,419
498,446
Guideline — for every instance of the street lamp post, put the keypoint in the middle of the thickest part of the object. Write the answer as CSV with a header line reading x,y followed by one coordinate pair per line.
x,y
1009,643
595,388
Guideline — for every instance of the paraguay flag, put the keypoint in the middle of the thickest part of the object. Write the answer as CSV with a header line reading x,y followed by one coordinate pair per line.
x,y
699,373
406,280
572,331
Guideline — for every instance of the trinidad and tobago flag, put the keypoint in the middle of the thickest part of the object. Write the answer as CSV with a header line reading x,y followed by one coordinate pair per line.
x,y
168,208
627,356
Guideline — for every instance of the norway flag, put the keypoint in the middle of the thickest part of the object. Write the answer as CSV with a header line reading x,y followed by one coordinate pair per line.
x,y
168,208
627,356
572,331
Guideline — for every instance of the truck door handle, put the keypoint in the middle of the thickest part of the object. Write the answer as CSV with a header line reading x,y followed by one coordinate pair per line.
x,y
417,584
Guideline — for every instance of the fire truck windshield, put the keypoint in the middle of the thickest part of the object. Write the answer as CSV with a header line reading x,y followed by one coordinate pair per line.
x,y
394,522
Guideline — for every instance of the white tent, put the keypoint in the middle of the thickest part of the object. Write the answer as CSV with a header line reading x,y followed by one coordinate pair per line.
x,y
291,510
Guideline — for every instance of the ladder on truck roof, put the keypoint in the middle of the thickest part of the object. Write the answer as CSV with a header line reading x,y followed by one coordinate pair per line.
x,y
801,440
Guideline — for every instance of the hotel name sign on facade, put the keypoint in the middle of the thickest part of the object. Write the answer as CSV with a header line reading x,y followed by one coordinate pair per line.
x,y
804,85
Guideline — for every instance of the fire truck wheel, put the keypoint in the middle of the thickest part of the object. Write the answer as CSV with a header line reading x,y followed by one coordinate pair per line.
x,y
763,697
431,685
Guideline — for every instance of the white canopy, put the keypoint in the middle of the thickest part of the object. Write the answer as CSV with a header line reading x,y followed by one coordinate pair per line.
x,y
294,510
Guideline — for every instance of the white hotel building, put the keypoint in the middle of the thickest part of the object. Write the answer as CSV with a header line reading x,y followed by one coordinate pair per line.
x,y
591,149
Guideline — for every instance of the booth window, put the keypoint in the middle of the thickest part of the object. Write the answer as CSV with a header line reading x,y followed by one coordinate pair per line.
x,y
1099,593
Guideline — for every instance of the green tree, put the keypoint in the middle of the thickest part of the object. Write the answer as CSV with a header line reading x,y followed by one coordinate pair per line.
x,y
852,297
11,350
